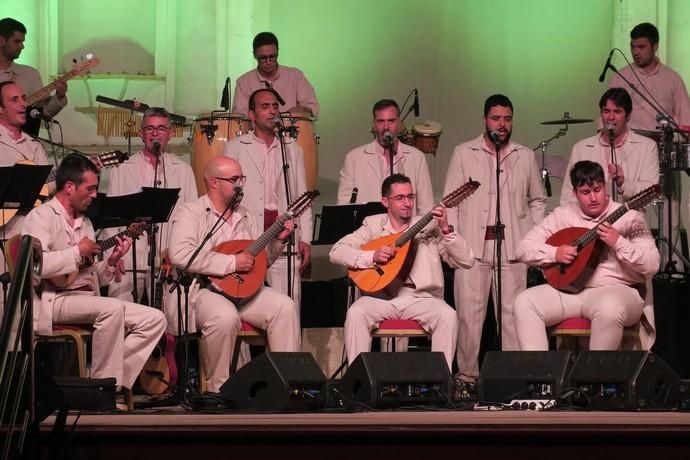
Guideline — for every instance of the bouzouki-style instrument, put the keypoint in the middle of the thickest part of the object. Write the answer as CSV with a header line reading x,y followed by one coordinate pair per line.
x,y
386,279
133,231
159,375
239,286
33,125
572,277
103,160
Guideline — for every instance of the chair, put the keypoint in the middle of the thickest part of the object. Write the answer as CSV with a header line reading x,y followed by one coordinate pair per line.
x,y
79,334
571,331
396,328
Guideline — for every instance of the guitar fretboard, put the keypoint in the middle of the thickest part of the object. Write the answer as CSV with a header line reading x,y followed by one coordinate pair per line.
x,y
112,241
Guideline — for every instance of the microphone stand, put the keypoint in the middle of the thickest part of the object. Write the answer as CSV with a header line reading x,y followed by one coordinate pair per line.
x,y
543,146
612,145
391,152
286,180
154,229
499,245
184,281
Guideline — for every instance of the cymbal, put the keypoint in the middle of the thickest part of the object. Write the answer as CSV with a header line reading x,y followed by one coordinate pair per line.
x,y
655,135
566,120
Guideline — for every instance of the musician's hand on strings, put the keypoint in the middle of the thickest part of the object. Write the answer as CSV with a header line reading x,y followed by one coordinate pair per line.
x,y
60,89
566,254
123,244
384,254
616,173
440,215
607,234
244,262
88,248
288,228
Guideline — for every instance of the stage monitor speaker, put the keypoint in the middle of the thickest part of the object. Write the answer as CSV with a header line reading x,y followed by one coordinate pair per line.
x,y
277,381
509,375
388,380
625,380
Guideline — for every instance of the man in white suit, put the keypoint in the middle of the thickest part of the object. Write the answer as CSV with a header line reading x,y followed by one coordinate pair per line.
x,y
421,297
522,206
125,333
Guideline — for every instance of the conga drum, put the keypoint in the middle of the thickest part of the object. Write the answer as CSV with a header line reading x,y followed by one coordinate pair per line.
x,y
426,136
308,140
210,133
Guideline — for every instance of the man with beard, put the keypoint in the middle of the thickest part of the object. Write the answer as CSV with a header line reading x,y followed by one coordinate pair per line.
x,y
522,206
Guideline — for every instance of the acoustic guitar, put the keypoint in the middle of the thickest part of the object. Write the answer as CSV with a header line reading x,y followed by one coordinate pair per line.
x,y
102,160
238,286
133,231
384,280
159,374
33,125
572,277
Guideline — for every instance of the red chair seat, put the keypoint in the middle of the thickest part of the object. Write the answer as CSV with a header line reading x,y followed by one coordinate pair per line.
x,y
399,328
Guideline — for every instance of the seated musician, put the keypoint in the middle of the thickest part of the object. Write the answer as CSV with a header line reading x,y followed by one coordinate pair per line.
x,y
421,297
610,297
218,318
125,333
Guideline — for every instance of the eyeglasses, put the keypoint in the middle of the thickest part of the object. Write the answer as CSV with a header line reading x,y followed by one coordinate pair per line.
x,y
151,129
234,180
268,58
399,198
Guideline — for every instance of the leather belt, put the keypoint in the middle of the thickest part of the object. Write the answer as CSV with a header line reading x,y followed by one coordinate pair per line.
x,y
491,232
80,288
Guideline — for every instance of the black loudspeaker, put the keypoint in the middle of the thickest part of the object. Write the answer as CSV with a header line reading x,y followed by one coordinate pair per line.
x,y
625,380
277,381
509,375
387,380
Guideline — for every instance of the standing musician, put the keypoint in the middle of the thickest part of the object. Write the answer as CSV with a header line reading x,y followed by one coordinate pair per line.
x,y
366,166
125,333
421,297
637,162
260,156
610,298
150,167
15,146
522,206
12,34
218,318
296,92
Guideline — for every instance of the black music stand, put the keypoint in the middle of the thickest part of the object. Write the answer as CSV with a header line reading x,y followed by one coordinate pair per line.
x,y
338,221
20,186
151,205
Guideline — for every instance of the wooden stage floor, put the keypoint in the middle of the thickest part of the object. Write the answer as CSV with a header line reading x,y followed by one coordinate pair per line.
x,y
173,434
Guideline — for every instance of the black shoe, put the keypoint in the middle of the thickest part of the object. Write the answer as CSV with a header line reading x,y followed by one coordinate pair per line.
x,y
464,390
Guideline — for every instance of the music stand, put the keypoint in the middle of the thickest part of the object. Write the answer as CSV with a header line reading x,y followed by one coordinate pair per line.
x,y
151,205
338,221
20,186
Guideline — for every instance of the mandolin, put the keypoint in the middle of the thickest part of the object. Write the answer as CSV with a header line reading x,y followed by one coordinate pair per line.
x,y
386,279
239,286
572,277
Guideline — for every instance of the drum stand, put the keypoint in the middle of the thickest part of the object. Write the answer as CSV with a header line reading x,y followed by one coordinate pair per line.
x,y
668,265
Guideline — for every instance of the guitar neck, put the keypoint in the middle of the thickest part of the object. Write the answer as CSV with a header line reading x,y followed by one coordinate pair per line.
x,y
44,92
591,235
269,235
412,231
112,241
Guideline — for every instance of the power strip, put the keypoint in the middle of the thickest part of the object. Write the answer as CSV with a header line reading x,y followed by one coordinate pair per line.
x,y
530,404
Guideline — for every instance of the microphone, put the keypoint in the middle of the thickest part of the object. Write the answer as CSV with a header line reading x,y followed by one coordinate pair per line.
x,y
156,147
353,197
606,66
387,138
416,103
495,137
225,98
281,101
609,129
547,185
237,197
277,121
37,114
